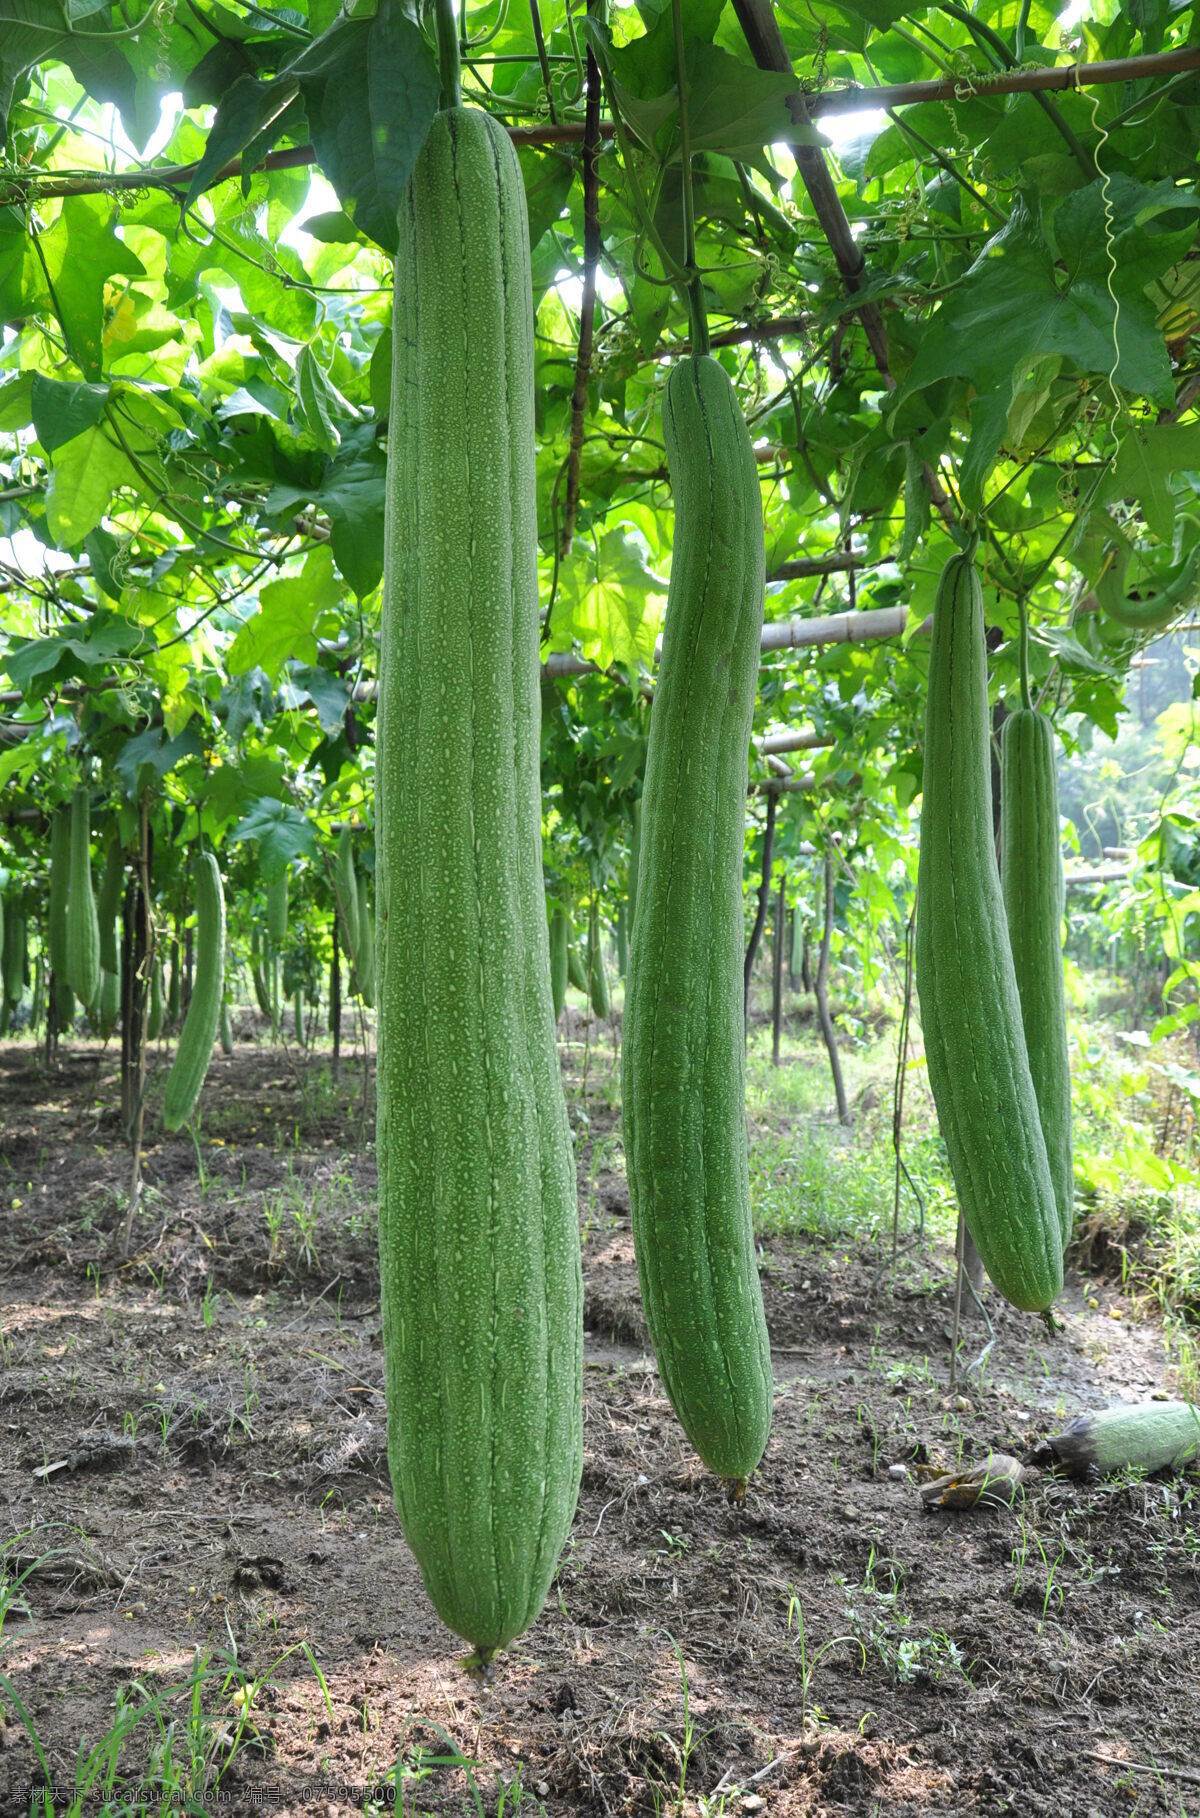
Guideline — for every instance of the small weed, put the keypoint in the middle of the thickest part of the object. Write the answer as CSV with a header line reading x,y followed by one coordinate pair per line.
x,y
808,1667
882,1626
169,1747
1053,1594
676,1544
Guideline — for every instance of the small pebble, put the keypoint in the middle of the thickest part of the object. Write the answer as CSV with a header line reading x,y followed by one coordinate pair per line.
x,y
898,1473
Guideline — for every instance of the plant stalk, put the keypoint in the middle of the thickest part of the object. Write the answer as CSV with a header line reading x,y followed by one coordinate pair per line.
x,y
449,54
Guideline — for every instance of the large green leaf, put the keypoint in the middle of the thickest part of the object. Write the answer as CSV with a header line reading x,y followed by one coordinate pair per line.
x,y
329,694
370,108
82,254
285,624
245,115
737,109
22,277
31,31
231,790
646,65
149,756
321,401
63,410
609,601
1013,307
244,701
86,472
1148,459
1121,229
283,833
352,492
105,639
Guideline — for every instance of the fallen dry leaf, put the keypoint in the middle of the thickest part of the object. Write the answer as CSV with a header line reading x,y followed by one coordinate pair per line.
x,y
995,1482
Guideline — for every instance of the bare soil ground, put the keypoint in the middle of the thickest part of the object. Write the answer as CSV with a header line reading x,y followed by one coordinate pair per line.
x,y
194,1480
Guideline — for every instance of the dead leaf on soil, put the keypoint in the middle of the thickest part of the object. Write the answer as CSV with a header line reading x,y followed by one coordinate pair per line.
x,y
995,1482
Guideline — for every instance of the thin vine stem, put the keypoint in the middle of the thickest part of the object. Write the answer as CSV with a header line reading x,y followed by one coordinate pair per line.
x,y
674,272
695,291
984,35
1023,610
125,31
449,54
539,39
485,37
948,165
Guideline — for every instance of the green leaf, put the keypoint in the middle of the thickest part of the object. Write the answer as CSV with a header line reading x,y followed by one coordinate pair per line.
x,y
1150,18
916,502
62,410
882,14
332,228
609,601
548,184
1146,462
370,110
320,400
102,549
989,422
343,40
649,302
1012,308
353,494
329,694
243,701
85,474
1072,654
107,69
230,790
149,756
22,280
381,375
31,31
246,111
646,65
256,263
16,406
82,255
52,658
737,109
282,832
283,627
19,760
645,118
1123,217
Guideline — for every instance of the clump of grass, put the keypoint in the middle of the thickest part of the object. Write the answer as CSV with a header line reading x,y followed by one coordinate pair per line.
x,y
811,1174
1138,1205
807,1180
169,1747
